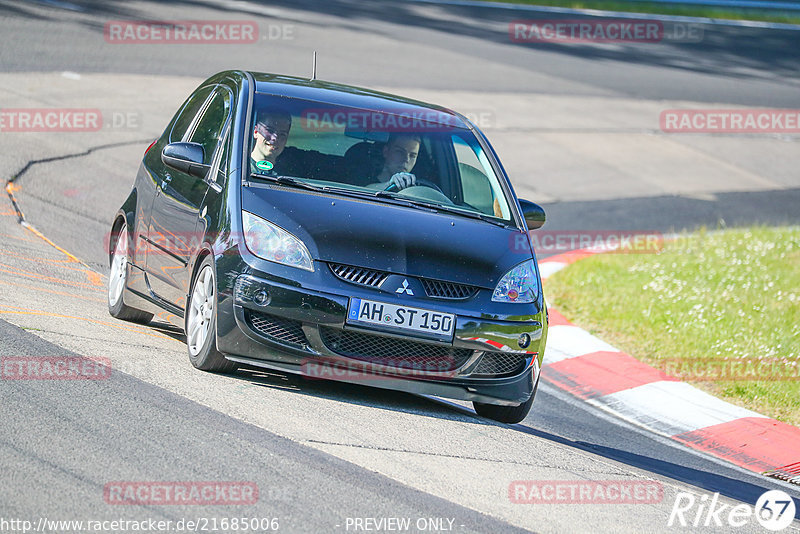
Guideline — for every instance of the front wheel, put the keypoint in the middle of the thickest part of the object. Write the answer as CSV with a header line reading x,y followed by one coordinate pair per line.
x,y
201,321
506,414
117,281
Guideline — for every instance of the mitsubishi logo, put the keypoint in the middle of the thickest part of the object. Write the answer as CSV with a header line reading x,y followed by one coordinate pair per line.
x,y
405,289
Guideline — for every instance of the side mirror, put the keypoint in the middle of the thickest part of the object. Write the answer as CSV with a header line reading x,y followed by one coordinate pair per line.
x,y
533,213
185,157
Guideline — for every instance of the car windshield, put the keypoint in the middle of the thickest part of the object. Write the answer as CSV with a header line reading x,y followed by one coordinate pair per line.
x,y
419,157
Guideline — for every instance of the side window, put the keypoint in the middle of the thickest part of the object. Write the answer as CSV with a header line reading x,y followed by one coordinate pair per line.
x,y
224,160
190,108
476,189
208,130
480,186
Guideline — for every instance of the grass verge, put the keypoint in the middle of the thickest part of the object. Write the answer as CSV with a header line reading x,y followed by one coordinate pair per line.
x,y
667,9
720,310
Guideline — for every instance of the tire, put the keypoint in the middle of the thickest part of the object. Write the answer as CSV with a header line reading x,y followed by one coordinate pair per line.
x,y
506,414
118,278
200,322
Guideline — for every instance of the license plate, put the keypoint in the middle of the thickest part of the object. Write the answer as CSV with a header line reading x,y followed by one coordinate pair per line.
x,y
401,318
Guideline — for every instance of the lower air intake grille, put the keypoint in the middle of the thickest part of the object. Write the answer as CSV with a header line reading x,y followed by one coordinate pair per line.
x,y
500,364
277,328
393,352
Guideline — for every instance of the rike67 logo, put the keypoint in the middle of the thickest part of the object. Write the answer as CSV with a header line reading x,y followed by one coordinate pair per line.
x,y
774,510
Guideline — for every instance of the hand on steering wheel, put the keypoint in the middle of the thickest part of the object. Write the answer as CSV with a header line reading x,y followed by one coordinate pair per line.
x,y
417,182
400,181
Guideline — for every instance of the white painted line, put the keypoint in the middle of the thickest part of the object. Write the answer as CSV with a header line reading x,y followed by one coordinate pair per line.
x,y
671,408
615,14
566,341
63,5
548,268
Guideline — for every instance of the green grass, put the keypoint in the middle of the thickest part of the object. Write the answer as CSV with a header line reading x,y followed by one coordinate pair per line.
x,y
727,296
662,9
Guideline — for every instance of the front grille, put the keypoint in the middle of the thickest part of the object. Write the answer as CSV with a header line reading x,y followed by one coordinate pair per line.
x,y
447,290
393,352
358,275
277,328
499,364
374,278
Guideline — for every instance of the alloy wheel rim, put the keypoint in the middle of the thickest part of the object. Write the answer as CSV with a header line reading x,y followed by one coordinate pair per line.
x,y
119,268
201,311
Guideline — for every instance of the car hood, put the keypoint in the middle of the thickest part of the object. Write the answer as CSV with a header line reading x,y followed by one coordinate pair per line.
x,y
398,239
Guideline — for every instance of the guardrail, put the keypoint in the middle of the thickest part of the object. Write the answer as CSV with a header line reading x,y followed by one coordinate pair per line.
x,y
739,4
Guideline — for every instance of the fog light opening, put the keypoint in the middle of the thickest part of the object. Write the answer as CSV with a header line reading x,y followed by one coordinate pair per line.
x,y
262,298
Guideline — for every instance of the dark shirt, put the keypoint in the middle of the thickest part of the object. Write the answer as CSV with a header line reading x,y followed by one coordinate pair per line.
x,y
303,164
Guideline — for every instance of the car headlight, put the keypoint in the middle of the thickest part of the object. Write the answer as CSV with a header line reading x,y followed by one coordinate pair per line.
x,y
518,285
273,243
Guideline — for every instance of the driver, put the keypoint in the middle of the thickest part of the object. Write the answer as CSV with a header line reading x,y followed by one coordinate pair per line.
x,y
399,157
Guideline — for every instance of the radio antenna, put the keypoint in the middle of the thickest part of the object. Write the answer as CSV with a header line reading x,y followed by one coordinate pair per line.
x,y
314,67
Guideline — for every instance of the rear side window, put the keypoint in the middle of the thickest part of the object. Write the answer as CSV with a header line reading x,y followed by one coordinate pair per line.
x,y
208,130
190,108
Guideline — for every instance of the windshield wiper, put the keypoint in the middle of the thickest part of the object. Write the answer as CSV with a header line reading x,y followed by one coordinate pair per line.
x,y
405,201
295,182
475,215
442,208
287,180
482,216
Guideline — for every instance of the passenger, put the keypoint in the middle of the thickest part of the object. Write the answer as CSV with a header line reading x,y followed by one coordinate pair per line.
x,y
399,157
270,155
271,132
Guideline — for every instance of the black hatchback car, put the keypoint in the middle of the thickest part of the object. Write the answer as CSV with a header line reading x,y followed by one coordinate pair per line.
x,y
338,233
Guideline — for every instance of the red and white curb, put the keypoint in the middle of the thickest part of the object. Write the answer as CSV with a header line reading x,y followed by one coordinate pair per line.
x,y
603,376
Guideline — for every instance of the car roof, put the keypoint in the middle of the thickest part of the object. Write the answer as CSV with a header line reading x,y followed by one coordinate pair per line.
x,y
352,96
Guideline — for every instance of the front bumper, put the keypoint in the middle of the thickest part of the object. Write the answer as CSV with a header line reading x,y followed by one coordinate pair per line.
x,y
276,325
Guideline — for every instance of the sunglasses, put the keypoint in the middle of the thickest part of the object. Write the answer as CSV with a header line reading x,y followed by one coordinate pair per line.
x,y
269,131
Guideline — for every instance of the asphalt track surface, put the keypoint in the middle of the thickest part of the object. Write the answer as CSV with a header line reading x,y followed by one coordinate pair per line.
x,y
151,421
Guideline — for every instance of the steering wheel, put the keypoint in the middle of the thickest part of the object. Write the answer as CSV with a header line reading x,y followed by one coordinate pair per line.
x,y
420,182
